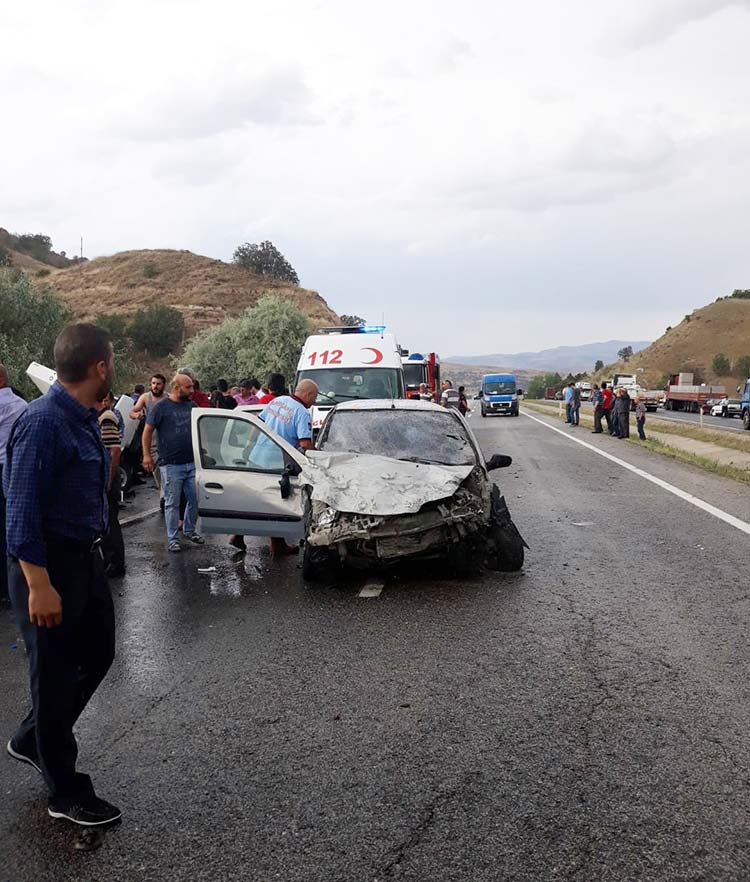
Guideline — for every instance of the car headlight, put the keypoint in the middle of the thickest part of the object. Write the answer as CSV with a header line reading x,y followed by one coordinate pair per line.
x,y
326,518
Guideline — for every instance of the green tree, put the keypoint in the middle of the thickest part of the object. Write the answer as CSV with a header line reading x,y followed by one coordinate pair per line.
x,y
266,260
536,387
117,327
599,365
353,321
743,294
37,245
266,338
720,365
742,367
30,320
6,258
626,353
157,329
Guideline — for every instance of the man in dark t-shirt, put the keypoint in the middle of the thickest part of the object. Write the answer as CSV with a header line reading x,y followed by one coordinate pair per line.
x,y
172,420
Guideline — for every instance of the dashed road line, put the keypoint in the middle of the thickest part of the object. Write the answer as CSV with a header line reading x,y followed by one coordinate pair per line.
x,y
665,485
371,589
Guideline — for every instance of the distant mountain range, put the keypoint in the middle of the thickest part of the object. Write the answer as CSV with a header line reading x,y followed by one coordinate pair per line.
x,y
564,359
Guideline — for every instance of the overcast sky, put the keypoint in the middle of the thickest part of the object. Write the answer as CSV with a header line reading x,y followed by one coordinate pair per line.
x,y
492,176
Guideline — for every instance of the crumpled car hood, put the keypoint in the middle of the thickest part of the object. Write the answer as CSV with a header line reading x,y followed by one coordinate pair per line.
x,y
377,485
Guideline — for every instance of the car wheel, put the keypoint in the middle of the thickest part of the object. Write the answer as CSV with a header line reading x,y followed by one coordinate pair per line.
x,y
484,414
319,564
125,475
746,418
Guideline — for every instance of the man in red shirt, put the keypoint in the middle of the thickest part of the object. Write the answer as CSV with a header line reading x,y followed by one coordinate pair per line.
x,y
607,406
276,387
199,396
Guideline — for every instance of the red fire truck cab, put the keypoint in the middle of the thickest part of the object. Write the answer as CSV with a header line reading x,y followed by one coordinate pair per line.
x,y
419,368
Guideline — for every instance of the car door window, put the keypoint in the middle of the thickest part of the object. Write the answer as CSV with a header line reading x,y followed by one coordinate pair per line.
x,y
235,444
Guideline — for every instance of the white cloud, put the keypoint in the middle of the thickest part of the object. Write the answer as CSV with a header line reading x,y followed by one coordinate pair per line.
x,y
494,164
664,18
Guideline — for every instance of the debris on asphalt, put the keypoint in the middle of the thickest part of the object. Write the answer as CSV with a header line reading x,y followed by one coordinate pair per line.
x,y
206,569
89,839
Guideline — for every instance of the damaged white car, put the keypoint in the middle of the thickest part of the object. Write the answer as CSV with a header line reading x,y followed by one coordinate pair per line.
x,y
388,481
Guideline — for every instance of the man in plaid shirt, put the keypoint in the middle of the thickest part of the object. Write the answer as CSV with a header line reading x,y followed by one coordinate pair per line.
x,y
55,479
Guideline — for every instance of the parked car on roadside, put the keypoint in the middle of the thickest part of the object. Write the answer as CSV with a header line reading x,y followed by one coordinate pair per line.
x,y
389,481
734,408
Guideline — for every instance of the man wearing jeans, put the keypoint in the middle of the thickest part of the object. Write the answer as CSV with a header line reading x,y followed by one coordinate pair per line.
x,y
171,419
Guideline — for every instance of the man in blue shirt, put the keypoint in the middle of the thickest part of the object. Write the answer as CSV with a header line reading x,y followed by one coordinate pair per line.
x,y
55,479
568,398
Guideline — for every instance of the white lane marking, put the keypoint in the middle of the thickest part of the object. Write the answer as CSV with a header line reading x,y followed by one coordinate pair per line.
x,y
136,518
665,485
371,589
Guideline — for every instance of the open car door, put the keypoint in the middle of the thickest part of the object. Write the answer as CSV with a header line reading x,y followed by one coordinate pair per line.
x,y
247,477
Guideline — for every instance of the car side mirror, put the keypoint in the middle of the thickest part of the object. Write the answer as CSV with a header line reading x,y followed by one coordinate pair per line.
x,y
499,461
285,483
519,391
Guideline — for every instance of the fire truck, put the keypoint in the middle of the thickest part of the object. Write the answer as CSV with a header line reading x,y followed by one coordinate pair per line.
x,y
419,368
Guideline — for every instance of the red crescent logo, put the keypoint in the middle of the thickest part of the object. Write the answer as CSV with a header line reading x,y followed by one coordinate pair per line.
x,y
378,355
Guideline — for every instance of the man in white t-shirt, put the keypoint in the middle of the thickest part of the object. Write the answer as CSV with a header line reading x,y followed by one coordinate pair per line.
x,y
450,396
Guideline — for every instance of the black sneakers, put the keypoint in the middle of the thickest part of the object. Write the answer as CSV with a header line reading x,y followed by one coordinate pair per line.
x,y
29,756
88,811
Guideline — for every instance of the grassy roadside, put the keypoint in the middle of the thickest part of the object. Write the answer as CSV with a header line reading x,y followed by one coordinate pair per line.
x,y
701,462
721,439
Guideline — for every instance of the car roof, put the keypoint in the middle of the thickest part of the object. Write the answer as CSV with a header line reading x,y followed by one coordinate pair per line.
x,y
389,404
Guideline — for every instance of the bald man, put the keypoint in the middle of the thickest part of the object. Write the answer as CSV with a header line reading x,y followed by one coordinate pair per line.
x,y
289,415
11,408
171,419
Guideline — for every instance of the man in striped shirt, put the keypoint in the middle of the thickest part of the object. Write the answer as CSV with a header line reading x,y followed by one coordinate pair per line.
x,y
113,545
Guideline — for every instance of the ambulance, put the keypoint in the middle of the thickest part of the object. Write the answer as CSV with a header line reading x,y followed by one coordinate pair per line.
x,y
349,364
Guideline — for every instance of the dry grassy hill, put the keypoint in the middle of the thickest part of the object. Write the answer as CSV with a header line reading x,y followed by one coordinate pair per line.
x,y
206,291
720,327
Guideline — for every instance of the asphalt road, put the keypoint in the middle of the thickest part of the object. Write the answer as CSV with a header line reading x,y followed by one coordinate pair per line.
x,y
584,720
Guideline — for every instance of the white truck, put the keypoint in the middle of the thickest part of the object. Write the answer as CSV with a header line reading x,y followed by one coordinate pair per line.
x,y
350,364
651,397
585,390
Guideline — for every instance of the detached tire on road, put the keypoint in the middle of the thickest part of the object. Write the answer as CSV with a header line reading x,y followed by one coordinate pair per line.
x,y
319,564
506,553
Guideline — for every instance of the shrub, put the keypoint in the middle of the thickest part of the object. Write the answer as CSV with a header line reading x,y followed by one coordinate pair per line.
x,y
720,365
6,258
40,274
157,329
149,270
30,320
266,338
742,367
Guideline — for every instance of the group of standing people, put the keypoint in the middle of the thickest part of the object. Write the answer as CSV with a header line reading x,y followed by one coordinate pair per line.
x,y
614,407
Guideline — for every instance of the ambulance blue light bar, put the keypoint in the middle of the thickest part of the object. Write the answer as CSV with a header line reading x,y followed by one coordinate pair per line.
x,y
364,329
